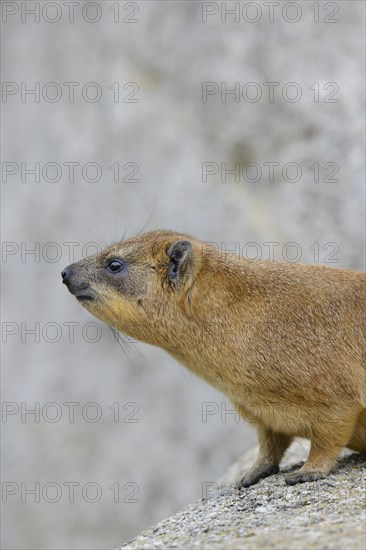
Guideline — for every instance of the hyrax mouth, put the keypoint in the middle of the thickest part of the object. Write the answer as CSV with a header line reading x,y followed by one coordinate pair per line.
x,y
84,298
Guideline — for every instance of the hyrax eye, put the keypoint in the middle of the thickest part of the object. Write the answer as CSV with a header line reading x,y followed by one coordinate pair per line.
x,y
114,266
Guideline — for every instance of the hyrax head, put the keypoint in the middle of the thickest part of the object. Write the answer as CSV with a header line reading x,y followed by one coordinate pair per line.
x,y
138,285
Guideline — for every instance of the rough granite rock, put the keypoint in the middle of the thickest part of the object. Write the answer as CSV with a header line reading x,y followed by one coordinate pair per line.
x,y
329,514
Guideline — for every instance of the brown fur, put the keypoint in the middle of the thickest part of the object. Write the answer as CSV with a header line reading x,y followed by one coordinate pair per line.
x,y
285,342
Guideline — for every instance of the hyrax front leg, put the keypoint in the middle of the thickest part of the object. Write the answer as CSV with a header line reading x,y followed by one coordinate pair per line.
x,y
271,449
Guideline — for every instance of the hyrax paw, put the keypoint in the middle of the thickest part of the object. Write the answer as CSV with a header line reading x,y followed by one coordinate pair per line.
x,y
246,481
253,476
303,477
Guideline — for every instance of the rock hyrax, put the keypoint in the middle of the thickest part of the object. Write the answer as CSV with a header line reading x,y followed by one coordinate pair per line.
x,y
286,343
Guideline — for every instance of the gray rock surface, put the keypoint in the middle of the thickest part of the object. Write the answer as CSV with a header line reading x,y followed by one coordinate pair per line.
x,y
328,514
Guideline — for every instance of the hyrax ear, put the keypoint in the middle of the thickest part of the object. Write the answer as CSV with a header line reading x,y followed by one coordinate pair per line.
x,y
179,254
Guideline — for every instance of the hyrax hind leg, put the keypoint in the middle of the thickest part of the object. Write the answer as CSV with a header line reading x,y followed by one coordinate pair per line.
x,y
271,449
327,439
358,439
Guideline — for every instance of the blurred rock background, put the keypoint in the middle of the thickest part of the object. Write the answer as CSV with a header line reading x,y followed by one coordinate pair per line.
x,y
169,133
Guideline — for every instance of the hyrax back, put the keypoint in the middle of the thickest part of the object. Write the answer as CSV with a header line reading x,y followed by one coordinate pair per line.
x,y
285,342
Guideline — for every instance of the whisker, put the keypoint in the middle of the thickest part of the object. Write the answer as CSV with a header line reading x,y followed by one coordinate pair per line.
x,y
119,342
127,225
153,212
101,240
123,344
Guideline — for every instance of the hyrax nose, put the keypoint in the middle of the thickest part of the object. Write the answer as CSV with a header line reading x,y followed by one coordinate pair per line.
x,y
66,274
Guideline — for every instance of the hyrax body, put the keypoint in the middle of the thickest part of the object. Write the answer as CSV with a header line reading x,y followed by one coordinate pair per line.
x,y
285,342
